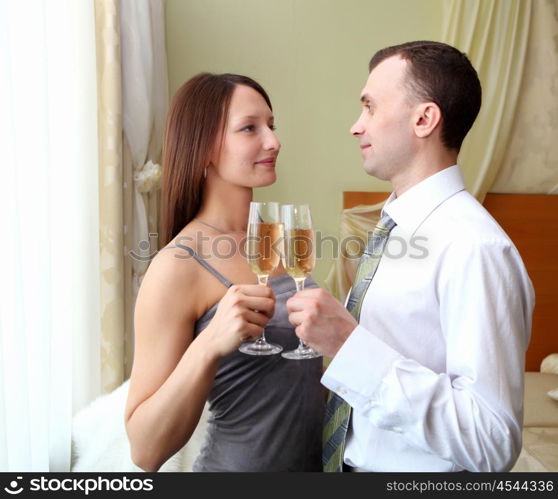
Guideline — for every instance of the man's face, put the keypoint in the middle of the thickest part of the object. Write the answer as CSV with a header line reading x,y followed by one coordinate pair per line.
x,y
385,125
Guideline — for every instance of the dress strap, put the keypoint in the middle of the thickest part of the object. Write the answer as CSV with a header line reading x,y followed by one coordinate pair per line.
x,y
203,263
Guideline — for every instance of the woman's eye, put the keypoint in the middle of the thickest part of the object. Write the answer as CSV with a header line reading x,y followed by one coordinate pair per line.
x,y
248,128
272,128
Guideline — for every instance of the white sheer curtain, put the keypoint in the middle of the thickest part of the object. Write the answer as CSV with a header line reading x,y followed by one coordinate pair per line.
x,y
49,289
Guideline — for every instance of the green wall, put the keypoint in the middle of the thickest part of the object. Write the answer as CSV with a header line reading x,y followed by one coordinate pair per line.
x,y
312,58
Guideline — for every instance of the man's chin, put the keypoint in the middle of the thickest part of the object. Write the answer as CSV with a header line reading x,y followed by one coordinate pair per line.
x,y
370,169
375,171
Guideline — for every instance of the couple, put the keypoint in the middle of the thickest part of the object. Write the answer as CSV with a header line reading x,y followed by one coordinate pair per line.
x,y
427,369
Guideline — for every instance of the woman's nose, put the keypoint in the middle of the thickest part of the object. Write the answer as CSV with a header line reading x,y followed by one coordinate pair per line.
x,y
272,142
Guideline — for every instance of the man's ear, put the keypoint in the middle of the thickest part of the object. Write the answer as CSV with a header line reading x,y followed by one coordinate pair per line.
x,y
427,117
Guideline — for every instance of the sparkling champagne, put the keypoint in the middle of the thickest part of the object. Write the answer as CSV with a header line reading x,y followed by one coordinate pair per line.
x,y
263,252
300,256
299,259
264,247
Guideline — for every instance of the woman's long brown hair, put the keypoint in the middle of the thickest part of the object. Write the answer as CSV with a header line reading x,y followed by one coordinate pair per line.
x,y
198,111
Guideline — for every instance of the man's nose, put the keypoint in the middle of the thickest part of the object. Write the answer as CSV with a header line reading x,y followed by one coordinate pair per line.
x,y
356,129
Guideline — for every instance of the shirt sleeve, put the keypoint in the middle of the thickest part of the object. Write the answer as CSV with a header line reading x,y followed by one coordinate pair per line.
x,y
471,414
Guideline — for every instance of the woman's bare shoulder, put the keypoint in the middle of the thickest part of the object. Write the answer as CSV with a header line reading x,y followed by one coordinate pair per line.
x,y
172,283
173,263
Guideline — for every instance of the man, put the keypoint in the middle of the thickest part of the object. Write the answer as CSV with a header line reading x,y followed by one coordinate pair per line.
x,y
433,369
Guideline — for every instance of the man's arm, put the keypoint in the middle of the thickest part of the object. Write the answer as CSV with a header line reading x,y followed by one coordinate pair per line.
x,y
471,413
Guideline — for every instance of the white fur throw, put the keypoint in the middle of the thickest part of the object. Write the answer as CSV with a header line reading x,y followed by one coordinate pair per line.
x,y
100,443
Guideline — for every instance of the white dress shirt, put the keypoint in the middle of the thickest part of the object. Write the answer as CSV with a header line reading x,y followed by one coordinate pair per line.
x,y
434,371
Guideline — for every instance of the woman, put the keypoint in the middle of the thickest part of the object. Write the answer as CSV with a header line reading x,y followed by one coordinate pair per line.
x,y
266,412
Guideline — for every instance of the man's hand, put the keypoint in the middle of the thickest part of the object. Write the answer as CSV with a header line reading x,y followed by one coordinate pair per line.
x,y
320,320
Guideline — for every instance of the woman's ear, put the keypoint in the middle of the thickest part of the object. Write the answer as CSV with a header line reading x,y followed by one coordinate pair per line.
x,y
428,116
207,167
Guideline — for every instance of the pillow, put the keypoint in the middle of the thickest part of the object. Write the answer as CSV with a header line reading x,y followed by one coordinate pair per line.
x,y
539,408
550,364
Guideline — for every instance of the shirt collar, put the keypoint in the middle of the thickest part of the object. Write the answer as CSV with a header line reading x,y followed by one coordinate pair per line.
x,y
411,208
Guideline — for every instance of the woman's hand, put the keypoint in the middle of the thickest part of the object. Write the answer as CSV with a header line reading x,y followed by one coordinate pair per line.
x,y
241,316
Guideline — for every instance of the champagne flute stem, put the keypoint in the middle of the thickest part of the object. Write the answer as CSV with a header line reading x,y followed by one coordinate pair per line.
x,y
262,279
299,287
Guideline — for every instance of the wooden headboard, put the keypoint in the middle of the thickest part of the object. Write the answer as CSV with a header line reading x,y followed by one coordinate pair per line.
x,y
531,221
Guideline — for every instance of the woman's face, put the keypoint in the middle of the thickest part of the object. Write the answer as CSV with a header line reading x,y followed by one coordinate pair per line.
x,y
249,147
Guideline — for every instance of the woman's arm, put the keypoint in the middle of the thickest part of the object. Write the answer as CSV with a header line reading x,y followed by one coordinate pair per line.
x,y
172,372
171,375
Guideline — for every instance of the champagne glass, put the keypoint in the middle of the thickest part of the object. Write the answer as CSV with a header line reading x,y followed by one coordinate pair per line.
x,y
263,253
299,258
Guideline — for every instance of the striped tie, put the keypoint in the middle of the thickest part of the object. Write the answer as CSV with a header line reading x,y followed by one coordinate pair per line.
x,y
337,411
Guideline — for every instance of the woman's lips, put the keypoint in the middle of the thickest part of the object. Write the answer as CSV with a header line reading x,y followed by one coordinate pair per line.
x,y
267,162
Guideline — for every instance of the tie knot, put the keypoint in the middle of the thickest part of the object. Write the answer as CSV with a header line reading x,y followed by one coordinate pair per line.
x,y
385,224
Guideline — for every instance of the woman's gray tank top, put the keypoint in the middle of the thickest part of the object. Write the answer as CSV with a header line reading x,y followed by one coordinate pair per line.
x,y
266,413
